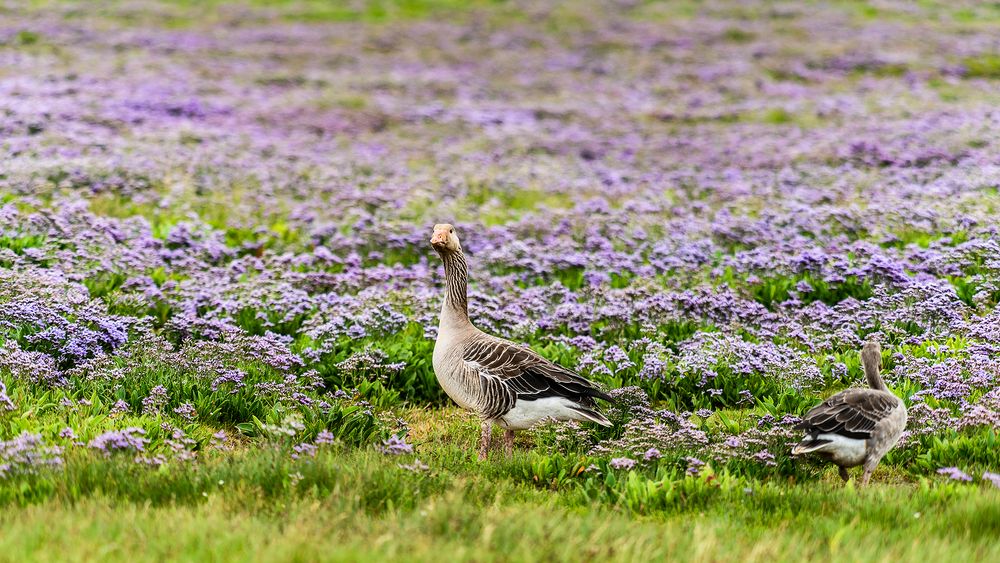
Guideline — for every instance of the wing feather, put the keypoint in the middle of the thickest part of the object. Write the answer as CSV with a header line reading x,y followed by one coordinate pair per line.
x,y
853,413
527,375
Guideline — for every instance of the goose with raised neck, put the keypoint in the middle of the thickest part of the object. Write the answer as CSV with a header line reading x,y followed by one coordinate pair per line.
x,y
506,384
856,426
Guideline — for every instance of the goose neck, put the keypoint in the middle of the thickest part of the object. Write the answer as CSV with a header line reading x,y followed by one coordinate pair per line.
x,y
872,373
455,309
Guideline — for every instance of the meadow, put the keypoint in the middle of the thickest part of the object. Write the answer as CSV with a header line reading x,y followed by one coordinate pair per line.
x,y
218,302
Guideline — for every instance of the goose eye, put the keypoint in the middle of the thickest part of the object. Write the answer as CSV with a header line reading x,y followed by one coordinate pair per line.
x,y
453,231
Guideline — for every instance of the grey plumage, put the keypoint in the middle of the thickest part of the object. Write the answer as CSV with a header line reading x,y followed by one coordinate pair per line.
x,y
508,385
856,426
509,372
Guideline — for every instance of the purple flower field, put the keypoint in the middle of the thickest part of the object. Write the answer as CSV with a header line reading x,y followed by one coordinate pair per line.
x,y
214,227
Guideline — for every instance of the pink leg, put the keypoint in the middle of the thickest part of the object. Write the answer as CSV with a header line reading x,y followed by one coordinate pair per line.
x,y
485,440
508,442
869,469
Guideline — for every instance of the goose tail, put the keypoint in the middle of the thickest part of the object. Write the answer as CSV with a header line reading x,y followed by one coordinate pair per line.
x,y
809,444
591,415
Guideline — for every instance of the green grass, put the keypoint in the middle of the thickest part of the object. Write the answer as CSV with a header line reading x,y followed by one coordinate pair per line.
x,y
455,529
193,13
358,504
983,66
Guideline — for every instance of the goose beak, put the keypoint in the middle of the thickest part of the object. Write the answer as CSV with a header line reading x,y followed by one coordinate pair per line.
x,y
439,239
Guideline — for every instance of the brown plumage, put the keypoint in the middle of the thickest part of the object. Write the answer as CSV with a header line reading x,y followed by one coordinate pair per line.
x,y
853,413
523,374
856,426
506,384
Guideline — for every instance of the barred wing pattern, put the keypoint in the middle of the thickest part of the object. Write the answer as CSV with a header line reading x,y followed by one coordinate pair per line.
x,y
852,413
509,372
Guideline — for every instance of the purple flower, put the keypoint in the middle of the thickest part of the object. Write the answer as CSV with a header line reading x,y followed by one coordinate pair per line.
x,y
694,465
992,478
765,421
596,278
417,466
670,249
622,463
5,402
396,445
157,399
219,440
954,473
765,457
151,460
27,453
127,440
304,450
733,442
356,332
233,376
186,411
651,454
181,446
619,358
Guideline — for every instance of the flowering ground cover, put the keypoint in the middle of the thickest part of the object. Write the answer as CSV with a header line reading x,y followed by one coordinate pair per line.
x,y
218,302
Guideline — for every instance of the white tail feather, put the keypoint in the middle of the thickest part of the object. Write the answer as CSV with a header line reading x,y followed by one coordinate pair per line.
x,y
592,416
806,447
844,451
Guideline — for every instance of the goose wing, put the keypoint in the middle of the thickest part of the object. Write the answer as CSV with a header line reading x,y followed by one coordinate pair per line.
x,y
852,413
509,372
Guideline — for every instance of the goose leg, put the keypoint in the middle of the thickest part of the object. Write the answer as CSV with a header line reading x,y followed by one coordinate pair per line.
x,y
869,466
508,442
485,439
844,474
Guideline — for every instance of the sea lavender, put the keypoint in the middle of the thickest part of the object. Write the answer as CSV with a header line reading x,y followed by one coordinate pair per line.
x,y
5,401
622,463
27,453
128,440
954,473
155,401
396,445
416,467
993,478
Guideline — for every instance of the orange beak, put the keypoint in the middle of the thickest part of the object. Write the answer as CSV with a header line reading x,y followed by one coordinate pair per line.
x,y
440,237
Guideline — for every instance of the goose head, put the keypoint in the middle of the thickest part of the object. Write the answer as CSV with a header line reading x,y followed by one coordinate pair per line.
x,y
871,354
871,359
445,240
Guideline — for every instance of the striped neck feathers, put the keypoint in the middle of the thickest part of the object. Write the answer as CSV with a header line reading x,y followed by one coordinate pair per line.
x,y
456,272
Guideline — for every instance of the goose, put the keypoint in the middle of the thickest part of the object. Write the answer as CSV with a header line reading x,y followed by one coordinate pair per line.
x,y
507,385
856,426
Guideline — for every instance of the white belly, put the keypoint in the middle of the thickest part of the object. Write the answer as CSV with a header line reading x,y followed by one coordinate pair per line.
x,y
526,414
846,452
